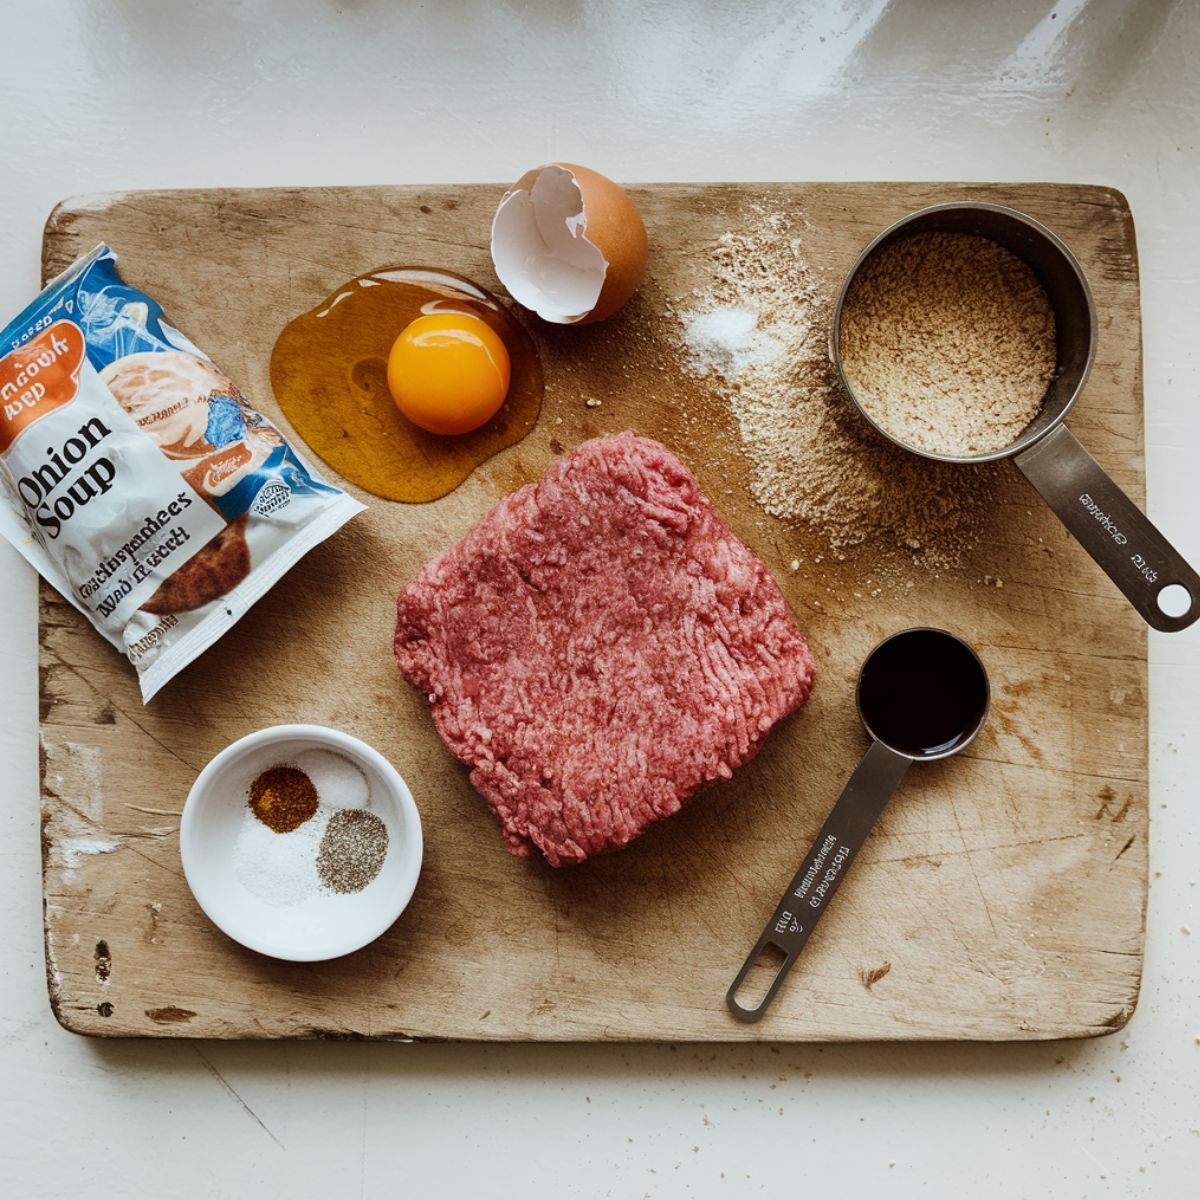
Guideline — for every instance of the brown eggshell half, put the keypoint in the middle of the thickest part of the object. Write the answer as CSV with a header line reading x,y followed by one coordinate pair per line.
x,y
613,226
616,229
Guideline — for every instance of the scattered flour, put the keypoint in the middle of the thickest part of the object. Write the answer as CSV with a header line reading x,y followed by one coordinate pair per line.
x,y
73,850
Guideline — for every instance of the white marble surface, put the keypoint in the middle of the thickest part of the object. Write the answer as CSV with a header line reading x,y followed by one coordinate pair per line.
x,y
151,93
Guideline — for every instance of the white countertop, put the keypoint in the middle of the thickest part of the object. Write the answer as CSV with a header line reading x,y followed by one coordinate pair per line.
x,y
137,93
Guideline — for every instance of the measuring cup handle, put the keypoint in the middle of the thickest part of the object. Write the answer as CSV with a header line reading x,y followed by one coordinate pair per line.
x,y
1110,527
862,800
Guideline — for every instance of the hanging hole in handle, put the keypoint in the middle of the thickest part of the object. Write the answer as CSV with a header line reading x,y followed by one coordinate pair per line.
x,y
1175,600
754,985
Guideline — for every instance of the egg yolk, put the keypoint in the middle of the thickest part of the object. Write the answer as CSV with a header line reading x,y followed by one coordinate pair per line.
x,y
448,372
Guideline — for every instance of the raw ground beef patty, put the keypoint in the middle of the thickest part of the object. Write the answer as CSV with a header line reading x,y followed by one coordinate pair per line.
x,y
600,647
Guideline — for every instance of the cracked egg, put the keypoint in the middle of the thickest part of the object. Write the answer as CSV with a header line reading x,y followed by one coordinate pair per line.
x,y
568,244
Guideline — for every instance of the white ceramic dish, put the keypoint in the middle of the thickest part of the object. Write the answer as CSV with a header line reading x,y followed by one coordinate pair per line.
x,y
322,926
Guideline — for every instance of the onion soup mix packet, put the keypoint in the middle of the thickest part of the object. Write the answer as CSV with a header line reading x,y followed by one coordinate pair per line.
x,y
136,477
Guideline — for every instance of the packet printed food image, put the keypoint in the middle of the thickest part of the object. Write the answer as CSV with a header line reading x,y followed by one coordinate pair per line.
x,y
138,480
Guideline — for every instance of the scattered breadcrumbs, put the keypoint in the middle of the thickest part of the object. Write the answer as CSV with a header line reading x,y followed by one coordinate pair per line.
x,y
759,331
948,342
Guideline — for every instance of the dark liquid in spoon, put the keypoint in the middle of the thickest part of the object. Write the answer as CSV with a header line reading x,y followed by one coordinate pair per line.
x,y
923,692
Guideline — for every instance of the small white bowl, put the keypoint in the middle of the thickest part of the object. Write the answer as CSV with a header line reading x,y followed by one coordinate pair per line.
x,y
322,926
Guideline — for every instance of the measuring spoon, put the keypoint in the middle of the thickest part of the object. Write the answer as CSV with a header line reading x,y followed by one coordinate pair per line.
x,y
922,695
1131,551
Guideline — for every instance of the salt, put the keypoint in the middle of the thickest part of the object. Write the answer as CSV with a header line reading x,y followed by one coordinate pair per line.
x,y
339,782
280,868
727,341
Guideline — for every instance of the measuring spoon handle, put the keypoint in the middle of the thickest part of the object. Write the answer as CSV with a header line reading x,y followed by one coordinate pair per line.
x,y
1110,527
862,800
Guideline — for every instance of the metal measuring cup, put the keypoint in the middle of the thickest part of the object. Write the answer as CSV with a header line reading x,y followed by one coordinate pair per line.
x,y
1109,526
922,695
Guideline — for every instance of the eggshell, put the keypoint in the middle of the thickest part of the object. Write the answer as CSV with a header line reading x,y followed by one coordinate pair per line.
x,y
569,244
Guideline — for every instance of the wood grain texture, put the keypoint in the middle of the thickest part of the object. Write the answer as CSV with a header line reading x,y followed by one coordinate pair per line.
x,y
1001,897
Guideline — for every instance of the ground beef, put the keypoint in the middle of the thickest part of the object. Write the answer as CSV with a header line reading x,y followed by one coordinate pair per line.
x,y
600,647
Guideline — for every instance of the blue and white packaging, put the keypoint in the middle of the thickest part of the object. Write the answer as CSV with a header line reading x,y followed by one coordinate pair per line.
x,y
137,478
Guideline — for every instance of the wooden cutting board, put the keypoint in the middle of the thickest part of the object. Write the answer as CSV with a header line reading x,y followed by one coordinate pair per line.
x,y
1001,897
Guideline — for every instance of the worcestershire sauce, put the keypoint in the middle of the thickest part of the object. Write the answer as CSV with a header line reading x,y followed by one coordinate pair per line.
x,y
923,693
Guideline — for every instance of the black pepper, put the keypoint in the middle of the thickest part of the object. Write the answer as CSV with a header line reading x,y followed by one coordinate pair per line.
x,y
352,850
